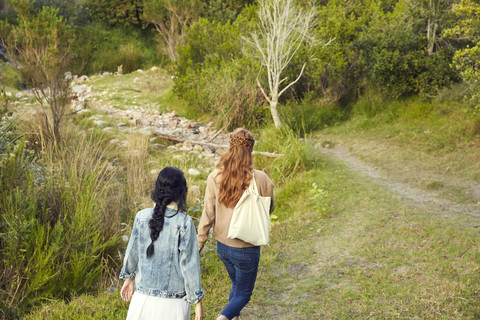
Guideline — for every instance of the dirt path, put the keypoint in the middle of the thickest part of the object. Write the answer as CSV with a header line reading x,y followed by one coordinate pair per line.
x,y
417,195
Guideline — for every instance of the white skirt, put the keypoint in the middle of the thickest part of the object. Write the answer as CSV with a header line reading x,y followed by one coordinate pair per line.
x,y
145,307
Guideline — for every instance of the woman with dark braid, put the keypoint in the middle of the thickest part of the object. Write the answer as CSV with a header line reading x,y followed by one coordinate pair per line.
x,y
225,186
162,256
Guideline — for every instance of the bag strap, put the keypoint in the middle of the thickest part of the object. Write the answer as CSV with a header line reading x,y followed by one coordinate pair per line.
x,y
253,185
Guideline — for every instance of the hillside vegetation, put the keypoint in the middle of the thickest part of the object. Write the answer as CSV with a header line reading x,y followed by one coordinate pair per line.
x,y
376,174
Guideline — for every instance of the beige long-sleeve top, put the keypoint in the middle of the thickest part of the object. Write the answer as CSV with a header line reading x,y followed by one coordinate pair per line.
x,y
216,214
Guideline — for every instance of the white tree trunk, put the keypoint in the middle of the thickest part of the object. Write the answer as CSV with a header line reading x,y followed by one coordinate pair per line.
x,y
284,27
275,115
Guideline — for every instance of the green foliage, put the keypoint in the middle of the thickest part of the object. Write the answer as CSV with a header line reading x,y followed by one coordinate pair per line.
x,y
213,75
223,11
311,114
74,11
39,45
117,12
395,57
171,18
99,47
320,198
334,71
9,76
294,154
104,306
466,59
55,239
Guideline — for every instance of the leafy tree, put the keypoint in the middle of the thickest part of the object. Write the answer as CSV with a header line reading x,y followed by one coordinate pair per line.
x,y
466,60
74,11
395,53
39,45
122,12
171,18
223,10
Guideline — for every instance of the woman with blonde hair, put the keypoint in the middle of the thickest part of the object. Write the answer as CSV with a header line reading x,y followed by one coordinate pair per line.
x,y
225,186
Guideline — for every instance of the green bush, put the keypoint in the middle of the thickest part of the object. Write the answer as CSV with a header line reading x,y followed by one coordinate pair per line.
x,y
295,155
99,47
395,56
9,77
215,77
55,236
311,115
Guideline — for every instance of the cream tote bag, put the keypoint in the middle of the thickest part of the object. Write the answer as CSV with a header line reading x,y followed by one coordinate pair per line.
x,y
251,217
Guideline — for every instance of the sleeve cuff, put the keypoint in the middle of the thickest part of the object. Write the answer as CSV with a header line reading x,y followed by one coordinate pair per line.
x,y
124,275
198,296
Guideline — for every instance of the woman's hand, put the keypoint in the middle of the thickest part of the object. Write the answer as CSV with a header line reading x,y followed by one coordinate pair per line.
x,y
127,290
199,311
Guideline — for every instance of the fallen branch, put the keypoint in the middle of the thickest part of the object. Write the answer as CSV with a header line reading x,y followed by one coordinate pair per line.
x,y
215,135
214,145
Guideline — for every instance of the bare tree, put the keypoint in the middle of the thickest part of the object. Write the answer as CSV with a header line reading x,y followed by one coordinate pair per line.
x,y
171,18
40,47
283,27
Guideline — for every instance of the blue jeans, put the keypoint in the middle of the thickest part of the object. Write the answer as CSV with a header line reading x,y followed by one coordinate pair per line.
x,y
242,267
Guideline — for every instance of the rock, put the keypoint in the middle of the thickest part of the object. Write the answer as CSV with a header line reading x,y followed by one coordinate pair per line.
x,y
146,131
107,129
154,172
106,73
173,123
154,68
140,71
19,95
77,106
100,123
83,78
79,89
193,172
137,79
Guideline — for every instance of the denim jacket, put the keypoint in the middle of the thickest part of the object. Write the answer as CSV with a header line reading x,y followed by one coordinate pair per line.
x,y
173,271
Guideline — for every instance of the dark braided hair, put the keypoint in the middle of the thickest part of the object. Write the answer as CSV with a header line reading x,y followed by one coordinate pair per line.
x,y
170,186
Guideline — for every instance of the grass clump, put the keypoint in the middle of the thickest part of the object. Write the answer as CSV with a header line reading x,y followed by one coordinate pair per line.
x,y
57,239
294,155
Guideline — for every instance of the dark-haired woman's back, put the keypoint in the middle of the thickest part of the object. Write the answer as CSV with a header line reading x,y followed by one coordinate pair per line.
x,y
162,262
160,274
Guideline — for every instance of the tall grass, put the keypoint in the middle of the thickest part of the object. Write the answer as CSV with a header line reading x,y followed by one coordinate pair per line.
x,y
138,181
56,239
294,155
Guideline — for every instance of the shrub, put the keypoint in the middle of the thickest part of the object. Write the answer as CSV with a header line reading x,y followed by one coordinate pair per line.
x,y
213,75
9,77
311,114
294,154
99,47
56,239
